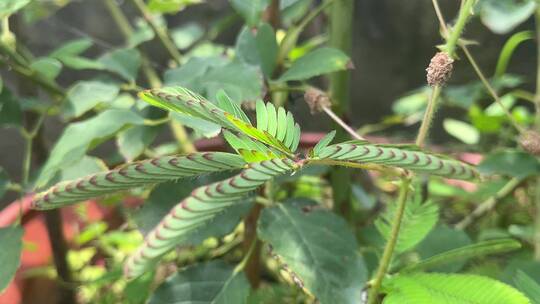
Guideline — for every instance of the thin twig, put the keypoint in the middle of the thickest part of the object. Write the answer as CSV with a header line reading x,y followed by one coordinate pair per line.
x,y
489,204
340,122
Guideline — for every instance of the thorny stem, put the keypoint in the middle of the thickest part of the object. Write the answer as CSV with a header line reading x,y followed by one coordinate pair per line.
x,y
490,203
162,35
449,47
428,116
390,245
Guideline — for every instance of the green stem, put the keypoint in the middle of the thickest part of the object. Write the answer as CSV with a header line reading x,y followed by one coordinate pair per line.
x,y
161,34
127,31
390,245
456,31
428,116
340,23
537,125
490,203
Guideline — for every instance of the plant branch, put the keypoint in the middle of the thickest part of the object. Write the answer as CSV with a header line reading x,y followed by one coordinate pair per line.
x,y
489,204
428,116
161,34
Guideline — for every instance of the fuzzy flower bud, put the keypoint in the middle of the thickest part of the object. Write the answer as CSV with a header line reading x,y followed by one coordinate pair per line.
x,y
530,142
316,100
439,69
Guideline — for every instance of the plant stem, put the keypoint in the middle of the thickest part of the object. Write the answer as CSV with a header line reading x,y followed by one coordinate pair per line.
x,y
161,34
428,116
537,125
490,203
340,122
456,31
340,23
127,31
390,245
252,247
182,137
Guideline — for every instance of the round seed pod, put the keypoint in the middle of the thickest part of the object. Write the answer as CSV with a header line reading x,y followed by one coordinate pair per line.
x,y
439,69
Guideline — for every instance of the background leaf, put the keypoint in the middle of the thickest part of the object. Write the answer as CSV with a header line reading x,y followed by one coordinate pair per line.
x,y
11,240
440,240
528,286
209,283
436,288
251,10
85,95
462,131
318,247
510,162
315,63
502,16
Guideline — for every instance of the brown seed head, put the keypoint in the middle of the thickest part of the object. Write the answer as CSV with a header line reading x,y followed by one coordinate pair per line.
x,y
439,69
316,100
530,142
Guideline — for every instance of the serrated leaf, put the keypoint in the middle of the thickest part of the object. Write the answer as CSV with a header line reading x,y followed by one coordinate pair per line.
x,y
418,220
209,283
318,247
10,255
528,286
228,105
315,63
436,288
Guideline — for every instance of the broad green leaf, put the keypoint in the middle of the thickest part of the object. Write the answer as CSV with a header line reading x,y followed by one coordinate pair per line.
x,y
170,6
240,81
142,33
318,247
258,48
85,166
82,63
8,7
251,10
510,162
324,142
186,35
48,67
71,48
85,95
464,253
165,196
438,288
418,220
210,283
502,16
442,239
4,181
494,109
11,240
124,62
462,131
315,63
133,141
528,286
191,74
10,109
81,136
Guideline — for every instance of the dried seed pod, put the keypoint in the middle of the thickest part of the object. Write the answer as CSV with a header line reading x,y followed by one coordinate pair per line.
x,y
439,69
316,100
530,142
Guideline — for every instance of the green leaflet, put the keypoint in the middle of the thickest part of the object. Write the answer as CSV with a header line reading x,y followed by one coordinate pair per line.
x,y
202,205
275,128
418,220
395,156
136,174
437,288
